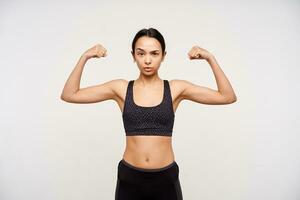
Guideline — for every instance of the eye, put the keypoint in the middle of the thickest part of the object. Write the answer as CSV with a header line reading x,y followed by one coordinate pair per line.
x,y
140,53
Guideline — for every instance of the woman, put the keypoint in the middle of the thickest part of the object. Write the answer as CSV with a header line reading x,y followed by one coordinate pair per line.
x,y
148,169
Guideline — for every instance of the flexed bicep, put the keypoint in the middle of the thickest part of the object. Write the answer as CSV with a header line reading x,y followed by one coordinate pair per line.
x,y
96,93
202,94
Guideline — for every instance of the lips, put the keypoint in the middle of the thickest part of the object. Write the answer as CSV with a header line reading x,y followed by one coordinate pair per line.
x,y
148,68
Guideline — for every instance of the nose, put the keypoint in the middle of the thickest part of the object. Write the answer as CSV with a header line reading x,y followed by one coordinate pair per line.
x,y
147,60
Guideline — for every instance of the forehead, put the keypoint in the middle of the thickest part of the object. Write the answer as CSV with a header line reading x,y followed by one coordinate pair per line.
x,y
147,44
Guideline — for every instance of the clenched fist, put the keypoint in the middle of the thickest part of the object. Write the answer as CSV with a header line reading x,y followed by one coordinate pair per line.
x,y
198,53
96,51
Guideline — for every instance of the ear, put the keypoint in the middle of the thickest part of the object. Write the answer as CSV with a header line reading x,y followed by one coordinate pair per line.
x,y
164,56
133,56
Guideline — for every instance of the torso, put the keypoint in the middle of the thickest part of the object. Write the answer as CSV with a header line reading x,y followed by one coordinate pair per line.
x,y
148,151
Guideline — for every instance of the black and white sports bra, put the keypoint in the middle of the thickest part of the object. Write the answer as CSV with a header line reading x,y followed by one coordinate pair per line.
x,y
150,120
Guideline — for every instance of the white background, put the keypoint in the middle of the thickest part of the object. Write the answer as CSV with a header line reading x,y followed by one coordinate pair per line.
x,y
54,150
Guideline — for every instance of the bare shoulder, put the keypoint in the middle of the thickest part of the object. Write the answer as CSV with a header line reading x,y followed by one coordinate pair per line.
x,y
177,87
178,84
115,85
119,87
118,83
182,87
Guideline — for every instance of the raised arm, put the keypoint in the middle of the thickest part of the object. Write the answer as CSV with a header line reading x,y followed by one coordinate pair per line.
x,y
73,94
205,95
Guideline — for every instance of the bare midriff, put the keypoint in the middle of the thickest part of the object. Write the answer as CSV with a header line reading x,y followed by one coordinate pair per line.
x,y
149,151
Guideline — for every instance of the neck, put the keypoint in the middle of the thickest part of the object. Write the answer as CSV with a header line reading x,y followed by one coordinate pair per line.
x,y
145,81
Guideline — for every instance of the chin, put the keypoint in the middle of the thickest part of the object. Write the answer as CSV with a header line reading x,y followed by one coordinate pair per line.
x,y
149,73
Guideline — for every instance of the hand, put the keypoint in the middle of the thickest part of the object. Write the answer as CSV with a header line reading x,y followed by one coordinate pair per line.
x,y
96,51
199,53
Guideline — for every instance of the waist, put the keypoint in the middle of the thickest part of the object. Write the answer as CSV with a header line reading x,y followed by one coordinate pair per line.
x,y
149,151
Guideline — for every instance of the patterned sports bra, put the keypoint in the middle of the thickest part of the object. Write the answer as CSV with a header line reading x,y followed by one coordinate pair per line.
x,y
151,120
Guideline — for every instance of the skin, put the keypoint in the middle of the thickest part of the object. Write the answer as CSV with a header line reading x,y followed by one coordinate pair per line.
x,y
148,151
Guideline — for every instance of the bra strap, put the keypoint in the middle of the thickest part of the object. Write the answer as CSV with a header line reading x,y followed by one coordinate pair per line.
x,y
168,92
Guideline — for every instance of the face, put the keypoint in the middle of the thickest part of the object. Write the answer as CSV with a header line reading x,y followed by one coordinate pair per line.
x,y
148,55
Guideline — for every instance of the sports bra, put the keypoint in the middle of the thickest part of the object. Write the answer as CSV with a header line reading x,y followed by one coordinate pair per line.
x,y
150,120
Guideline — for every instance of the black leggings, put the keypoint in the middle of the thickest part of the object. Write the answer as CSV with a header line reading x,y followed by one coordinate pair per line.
x,y
136,183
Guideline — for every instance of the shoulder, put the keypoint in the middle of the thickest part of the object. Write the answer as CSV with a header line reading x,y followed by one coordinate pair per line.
x,y
178,81
177,87
119,82
119,86
179,84
184,87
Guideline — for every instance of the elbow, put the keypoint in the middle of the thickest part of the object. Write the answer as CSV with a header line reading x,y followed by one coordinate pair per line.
x,y
64,98
232,100
68,97
228,98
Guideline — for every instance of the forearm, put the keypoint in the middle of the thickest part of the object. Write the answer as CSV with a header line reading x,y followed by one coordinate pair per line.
x,y
224,86
73,83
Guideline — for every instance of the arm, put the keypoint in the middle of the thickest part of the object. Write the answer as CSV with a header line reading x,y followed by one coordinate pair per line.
x,y
205,95
73,94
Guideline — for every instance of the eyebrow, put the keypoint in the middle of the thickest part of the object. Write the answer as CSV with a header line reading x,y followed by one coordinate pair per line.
x,y
144,50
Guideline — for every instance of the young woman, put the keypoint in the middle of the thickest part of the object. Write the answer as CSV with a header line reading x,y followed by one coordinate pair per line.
x,y
148,169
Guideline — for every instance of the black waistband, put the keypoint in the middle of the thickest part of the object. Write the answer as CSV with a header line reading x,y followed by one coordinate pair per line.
x,y
152,176
148,169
